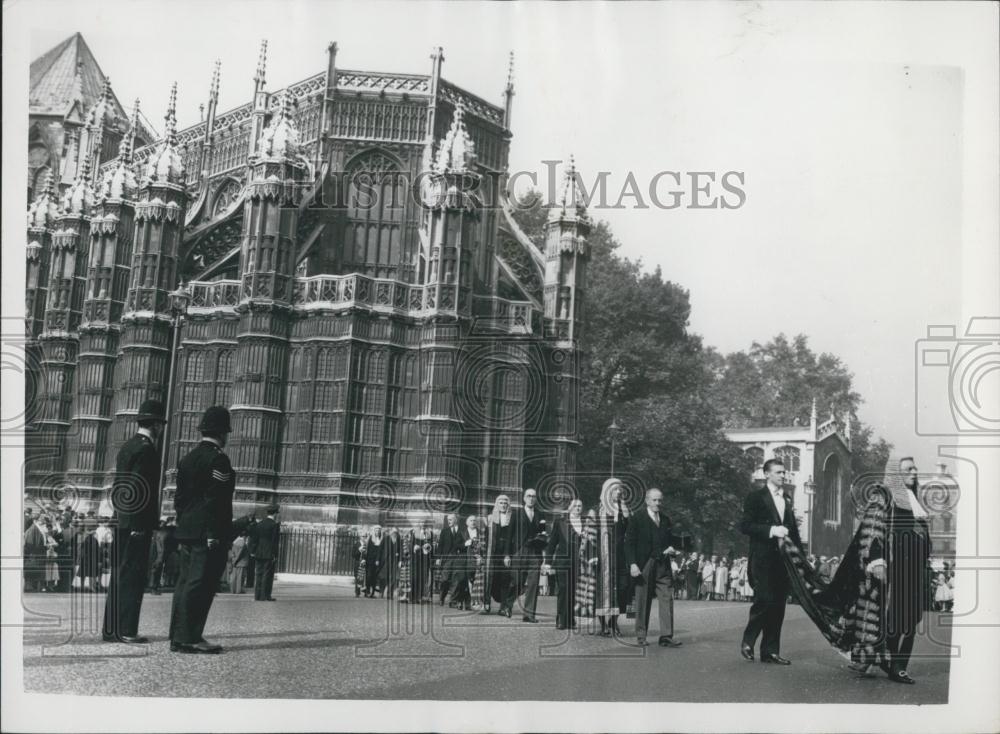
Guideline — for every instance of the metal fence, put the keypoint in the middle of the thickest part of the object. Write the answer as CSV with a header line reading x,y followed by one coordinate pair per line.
x,y
316,552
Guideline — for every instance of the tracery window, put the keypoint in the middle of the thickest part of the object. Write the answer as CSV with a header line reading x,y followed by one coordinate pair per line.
x,y
375,207
789,455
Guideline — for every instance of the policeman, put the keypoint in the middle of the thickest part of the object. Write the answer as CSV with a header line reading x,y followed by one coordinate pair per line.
x,y
204,505
135,496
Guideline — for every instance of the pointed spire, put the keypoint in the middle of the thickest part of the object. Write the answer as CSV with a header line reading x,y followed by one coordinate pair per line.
x,y
259,77
79,198
170,119
213,92
165,164
508,93
120,182
128,139
572,202
103,110
457,153
812,418
281,138
44,209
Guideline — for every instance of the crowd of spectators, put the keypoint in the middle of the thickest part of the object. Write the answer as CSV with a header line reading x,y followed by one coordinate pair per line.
x,y
66,549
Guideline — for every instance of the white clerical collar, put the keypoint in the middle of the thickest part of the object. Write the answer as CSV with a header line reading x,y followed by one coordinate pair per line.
x,y
143,431
216,441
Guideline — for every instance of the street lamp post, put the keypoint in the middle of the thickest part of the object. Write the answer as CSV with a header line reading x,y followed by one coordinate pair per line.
x,y
179,300
810,490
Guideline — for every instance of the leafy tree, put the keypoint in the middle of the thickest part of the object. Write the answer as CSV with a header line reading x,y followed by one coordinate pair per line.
x,y
774,384
670,398
644,371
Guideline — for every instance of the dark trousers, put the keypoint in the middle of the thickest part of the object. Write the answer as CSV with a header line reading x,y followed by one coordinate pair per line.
x,y
655,580
264,581
129,566
565,592
156,576
767,613
450,572
199,570
529,582
899,648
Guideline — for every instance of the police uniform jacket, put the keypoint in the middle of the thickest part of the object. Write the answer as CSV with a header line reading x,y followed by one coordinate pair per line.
x,y
204,498
135,494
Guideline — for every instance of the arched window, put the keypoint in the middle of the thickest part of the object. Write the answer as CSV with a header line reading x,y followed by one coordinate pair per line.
x,y
789,455
375,207
755,453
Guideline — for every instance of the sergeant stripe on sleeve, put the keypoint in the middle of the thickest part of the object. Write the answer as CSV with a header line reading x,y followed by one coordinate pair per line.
x,y
220,476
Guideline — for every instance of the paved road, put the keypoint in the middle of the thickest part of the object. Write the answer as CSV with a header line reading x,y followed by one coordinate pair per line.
x,y
321,642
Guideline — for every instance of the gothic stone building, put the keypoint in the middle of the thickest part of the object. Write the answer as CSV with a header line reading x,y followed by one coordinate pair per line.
x,y
336,263
818,477
68,96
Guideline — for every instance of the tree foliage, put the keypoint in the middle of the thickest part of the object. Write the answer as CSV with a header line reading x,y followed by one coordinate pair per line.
x,y
653,390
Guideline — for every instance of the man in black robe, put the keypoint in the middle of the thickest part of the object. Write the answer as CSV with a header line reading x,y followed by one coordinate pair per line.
x,y
871,608
899,563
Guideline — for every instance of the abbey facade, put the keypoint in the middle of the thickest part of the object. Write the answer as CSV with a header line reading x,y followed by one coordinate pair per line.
x,y
336,263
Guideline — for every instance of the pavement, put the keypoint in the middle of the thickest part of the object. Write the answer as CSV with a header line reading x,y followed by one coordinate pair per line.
x,y
319,641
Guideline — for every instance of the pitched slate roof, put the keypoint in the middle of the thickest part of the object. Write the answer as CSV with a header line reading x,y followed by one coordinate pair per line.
x,y
52,84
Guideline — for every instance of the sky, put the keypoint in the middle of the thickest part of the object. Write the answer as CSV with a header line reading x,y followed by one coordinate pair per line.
x,y
848,122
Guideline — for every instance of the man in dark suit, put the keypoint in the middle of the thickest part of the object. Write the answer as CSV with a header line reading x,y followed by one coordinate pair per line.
x,y
135,495
451,547
529,540
649,544
204,504
768,517
264,538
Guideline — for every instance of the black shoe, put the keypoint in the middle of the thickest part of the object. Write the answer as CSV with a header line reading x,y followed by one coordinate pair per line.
x,y
901,676
176,646
776,659
485,610
561,627
127,639
746,652
505,612
669,642
643,642
202,648
528,619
